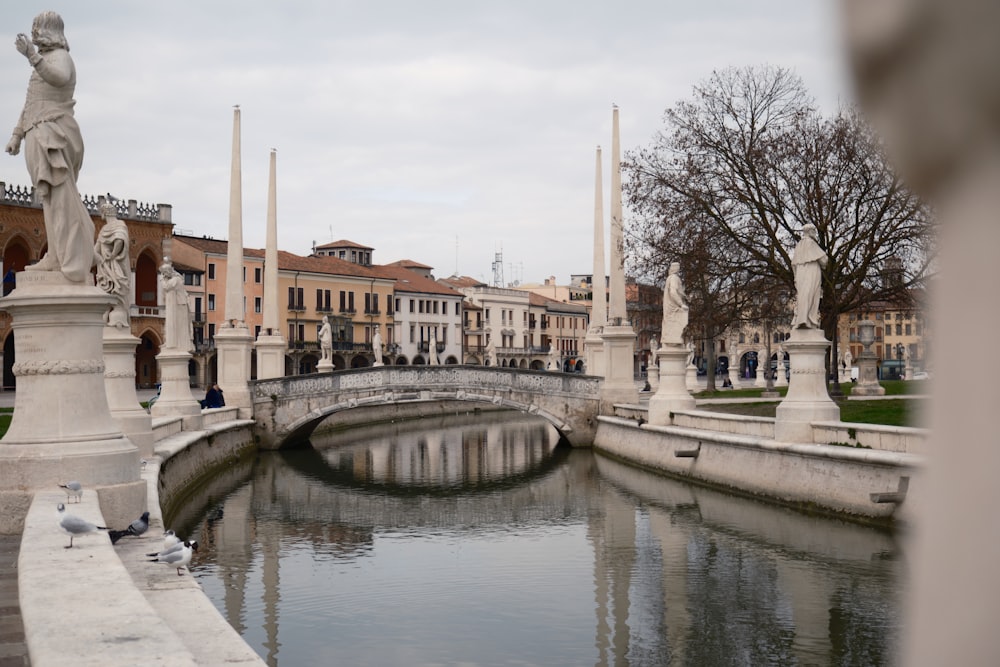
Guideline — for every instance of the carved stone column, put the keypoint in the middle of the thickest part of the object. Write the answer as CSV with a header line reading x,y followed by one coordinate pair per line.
x,y
672,394
807,399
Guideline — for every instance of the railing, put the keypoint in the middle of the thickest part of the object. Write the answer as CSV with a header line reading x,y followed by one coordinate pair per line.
x,y
124,209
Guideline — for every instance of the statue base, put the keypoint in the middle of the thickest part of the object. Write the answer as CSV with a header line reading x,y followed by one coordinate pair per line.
x,y
868,376
593,352
270,357
619,376
807,399
175,398
325,366
653,378
62,428
691,378
119,383
233,344
672,395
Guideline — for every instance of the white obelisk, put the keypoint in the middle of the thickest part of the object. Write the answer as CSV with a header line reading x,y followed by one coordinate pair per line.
x,y
233,341
271,344
619,337
593,344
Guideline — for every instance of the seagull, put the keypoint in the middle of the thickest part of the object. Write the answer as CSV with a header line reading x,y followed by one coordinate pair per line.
x,y
73,488
170,543
179,558
74,525
137,528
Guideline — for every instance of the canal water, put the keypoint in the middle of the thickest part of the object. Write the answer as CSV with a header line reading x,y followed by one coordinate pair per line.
x,y
461,541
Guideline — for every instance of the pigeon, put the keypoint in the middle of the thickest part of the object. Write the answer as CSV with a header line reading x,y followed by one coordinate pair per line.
x,y
73,488
179,557
137,528
170,543
74,525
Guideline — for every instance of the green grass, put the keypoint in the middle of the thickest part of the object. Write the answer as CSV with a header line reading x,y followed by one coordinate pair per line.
x,y
889,412
5,421
892,388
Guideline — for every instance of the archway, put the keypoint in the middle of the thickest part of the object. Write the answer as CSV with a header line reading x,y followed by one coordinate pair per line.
x,y
9,380
401,361
538,365
360,361
339,363
16,256
418,361
146,371
145,281
451,361
523,364
307,364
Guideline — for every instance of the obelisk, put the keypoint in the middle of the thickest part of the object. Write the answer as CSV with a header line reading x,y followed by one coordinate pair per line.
x,y
270,343
619,337
233,340
593,344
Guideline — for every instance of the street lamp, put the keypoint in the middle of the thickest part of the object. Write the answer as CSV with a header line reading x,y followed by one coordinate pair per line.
x,y
899,358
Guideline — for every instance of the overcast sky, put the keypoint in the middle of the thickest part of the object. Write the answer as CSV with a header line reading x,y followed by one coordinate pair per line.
x,y
439,131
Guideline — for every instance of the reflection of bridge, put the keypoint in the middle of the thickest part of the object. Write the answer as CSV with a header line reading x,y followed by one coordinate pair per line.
x,y
289,408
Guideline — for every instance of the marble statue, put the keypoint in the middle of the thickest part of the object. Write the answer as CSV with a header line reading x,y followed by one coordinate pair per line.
x,y
326,340
675,308
178,327
491,353
690,357
432,351
377,347
53,149
848,359
114,272
552,364
808,262
653,347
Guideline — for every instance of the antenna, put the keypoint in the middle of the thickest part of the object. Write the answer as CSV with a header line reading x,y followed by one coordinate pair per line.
x,y
498,268
456,256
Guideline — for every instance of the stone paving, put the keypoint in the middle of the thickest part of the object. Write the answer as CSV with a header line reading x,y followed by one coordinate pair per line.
x,y
13,651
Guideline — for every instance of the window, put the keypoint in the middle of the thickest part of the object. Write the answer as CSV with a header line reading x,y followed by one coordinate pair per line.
x,y
257,304
211,271
435,307
909,330
350,302
244,274
899,329
368,303
413,333
458,308
412,305
192,279
296,298
343,300
375,303
197,309
397,305
487,314
257,274
211,302
211,331
256,331
421,305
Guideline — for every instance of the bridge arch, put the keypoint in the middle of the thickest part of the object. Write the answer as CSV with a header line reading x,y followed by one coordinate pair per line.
x,y
290,408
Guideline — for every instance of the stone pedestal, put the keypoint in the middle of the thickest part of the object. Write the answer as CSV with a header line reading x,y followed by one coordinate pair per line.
x,y
593,352
270,357
868,376
763,368
325,366
62,427
619,377
672,394
233,344
691,378
807,399
119,383
176,399
653,377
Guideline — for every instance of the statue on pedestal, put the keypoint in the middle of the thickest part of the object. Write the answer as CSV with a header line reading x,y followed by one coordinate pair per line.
x,y
491,353
432,351
326,340
377,347
179,331
675,308
114,273
808,262
53,149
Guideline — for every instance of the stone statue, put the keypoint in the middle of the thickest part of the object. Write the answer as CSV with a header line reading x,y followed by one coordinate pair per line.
x,y
179,333
848,359
653,347
377,347
675,308
552,364
326,340
491,353
114,272
808,262
690,358
53,149
432,351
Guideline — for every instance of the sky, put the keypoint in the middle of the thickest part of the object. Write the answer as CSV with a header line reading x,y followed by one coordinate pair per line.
x,y
441,131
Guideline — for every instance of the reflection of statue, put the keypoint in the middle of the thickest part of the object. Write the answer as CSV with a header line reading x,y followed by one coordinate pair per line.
x,y
53,149
326,339
432,351
675,308
808,261
377,347
491,353
178,321
114,274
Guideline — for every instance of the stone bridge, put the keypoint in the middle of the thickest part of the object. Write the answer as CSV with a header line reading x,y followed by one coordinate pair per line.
x,y
288,409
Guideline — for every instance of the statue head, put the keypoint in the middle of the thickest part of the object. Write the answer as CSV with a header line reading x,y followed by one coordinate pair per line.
x,y
675,267
47,32
810,231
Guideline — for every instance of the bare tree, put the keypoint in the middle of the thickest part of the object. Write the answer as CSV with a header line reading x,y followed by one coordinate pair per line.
x,y
746,162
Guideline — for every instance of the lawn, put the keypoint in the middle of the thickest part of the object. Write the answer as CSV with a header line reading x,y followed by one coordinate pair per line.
x,y
892,388
890,412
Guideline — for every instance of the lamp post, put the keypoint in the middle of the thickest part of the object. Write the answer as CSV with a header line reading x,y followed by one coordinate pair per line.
x,y
899,358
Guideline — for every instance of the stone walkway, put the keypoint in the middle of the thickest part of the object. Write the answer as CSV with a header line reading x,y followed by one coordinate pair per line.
x,y
13,651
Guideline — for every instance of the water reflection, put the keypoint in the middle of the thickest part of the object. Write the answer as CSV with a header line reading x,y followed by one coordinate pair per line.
x,y
484,543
